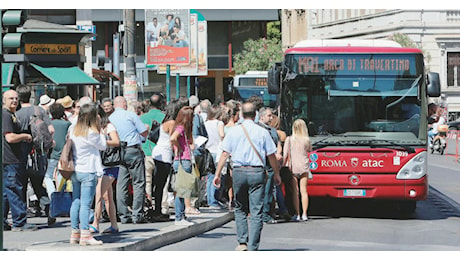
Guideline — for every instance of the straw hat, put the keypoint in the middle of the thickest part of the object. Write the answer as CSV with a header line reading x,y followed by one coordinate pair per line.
x,y
45,100
66,101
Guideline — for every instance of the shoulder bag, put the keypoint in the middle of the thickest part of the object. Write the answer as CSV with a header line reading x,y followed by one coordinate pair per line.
x,y
66,164
186,184
114,155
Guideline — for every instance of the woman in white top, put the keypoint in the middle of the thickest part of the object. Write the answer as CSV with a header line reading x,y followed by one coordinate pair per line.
x,y
162,155
104,188
88,141
215,129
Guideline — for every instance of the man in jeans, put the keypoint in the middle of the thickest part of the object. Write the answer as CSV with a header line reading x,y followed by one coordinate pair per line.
x,y
266,115
12,170
248,174
132,131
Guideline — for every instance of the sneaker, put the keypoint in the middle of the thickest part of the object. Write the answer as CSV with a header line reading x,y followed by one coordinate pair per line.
x,y
51,221
7,227
183,222
295,218
140,220
26,227
241,247
271,221
304,218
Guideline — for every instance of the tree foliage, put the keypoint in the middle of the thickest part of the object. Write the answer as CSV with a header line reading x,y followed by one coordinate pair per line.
x,y
405,41
259,54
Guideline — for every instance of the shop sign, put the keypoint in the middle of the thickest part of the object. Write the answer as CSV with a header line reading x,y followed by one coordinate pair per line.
x,y
45,48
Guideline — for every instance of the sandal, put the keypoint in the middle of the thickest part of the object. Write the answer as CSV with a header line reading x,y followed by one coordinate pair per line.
x,y
93,229
110,230
192,211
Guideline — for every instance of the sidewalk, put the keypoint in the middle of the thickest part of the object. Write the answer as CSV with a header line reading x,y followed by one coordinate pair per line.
x,y
140,237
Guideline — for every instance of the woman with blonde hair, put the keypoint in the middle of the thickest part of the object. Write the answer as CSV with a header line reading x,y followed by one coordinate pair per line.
x,y
295,155
88,140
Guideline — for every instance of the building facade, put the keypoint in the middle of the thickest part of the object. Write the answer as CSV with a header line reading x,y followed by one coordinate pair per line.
x,y
435,31
227,30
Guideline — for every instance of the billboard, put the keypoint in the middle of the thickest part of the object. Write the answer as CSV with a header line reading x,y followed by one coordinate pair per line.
x,y
198,65
167,36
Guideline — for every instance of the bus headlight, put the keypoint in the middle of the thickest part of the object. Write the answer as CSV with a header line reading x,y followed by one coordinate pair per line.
x,y
414,169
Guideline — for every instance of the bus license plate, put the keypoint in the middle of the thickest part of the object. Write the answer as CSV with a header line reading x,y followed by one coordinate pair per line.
x,y
354,193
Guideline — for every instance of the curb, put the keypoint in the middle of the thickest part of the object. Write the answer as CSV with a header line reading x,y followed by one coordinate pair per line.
x,y
145,241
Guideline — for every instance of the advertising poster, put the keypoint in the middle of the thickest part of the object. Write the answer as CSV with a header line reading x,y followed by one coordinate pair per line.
x,y
167,36
199,50
191,68
202,48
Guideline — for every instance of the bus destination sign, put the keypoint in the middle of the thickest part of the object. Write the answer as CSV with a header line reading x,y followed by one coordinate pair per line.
x,y
259,82
315,64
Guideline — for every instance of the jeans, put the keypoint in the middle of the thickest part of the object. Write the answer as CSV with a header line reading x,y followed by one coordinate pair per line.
x,y
280,200
83,191
12,195
179,203
249,187
211,190
134,167
160,177
268,196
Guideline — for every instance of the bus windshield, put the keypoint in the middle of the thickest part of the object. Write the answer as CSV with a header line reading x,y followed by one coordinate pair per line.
x,y
343,93
243,93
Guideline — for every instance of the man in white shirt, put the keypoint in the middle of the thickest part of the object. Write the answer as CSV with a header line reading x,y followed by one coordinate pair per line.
x,y
153,30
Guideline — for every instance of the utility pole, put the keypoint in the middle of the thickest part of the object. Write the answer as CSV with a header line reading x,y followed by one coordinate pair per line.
x,y
130,86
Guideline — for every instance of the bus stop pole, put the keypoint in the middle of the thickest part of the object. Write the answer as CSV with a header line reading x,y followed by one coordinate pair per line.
x,y
188,86
168,86
177,86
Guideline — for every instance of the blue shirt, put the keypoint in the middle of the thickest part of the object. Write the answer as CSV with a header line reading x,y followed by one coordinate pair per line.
x,y
238,146
129,126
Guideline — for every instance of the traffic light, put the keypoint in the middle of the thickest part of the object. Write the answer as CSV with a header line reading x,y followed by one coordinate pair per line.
x,y
10,21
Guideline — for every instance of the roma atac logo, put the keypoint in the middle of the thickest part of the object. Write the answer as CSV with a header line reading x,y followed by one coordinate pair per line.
x,y
354,162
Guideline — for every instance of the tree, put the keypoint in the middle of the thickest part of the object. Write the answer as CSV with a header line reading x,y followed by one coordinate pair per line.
x,y
405,41
257,55
260,54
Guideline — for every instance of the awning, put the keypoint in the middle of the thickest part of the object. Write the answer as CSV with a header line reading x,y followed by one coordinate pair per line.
x,y
66,75
7,74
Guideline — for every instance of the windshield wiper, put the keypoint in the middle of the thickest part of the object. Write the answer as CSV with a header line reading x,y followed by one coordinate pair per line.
x,y
400,146
373,143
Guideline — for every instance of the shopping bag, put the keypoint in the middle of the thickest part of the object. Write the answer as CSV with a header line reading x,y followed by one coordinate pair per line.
x,y
60,202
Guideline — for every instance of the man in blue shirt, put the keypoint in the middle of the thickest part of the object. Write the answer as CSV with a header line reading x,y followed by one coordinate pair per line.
x,y
248,174
132,130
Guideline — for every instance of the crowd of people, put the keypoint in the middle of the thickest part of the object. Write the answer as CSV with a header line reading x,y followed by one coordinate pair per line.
x,y
240,160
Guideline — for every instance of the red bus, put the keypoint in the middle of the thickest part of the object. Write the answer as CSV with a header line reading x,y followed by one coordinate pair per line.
x,y
365,105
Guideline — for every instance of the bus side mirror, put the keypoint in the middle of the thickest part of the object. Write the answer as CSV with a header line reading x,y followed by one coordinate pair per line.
x,y
274,79
433,85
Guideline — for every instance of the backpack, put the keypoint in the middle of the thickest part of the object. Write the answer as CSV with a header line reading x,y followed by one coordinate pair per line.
x,y
42,140
154,134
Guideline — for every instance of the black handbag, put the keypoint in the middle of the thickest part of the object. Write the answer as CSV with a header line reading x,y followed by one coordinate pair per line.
x,y
113,156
